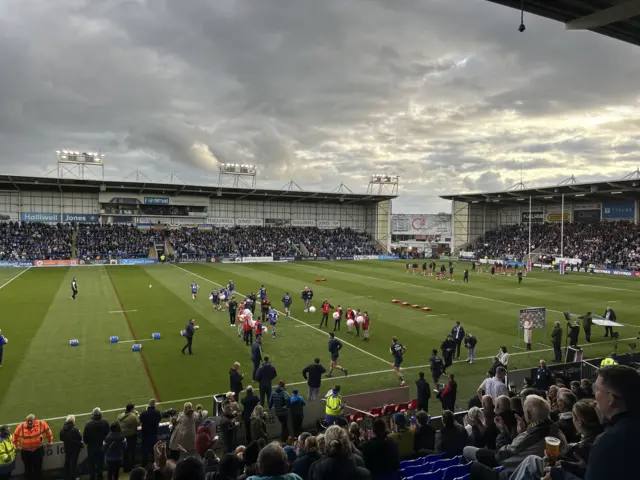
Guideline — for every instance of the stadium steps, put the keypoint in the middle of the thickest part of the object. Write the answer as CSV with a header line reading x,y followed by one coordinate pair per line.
x,y
153,253
303,250
168,247
74,242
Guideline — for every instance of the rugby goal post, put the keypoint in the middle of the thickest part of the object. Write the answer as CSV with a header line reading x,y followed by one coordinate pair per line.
x,y
538,318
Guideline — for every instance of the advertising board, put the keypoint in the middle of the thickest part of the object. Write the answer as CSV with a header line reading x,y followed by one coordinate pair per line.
x,y
425,224
328,224
618,210
388,257
221,222
137,261
255,259
277,222
15,264
9,217
536,217
303,223
80,218
55,263
40,217
249,222
365,257
586,216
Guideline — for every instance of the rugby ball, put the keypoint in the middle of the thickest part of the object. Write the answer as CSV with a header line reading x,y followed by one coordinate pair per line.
x,y
196,327
264,329
223,297
210,296
350,323
247,312
360,319
312,309
336,315
150,286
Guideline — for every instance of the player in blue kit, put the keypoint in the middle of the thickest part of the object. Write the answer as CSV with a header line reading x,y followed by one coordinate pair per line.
x,y
3,342
287,301
194,290
398,350
215,299
335,346
273,319
262,292
232,289
224,298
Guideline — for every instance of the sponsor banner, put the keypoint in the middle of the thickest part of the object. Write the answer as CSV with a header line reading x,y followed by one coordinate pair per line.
x,y
80,218
328,224
255,259
388,257
468,255
636,273
345,258
288,259
426,224
303,223
97,261
205,226
618,210
610,271
586,206
40,217
9,217
249,222
277,222
137,261
569,261
586,216
365,257
536,217
448,258
221,222
55,263
554,214
15,264
143,226
156,200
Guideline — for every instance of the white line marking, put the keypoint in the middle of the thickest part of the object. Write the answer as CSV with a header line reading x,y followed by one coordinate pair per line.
x,y
599,287
11,280
136,341
122,311
290,316
301,326
342,379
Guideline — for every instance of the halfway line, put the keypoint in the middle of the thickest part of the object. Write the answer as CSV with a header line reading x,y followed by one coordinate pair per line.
x,y
122,311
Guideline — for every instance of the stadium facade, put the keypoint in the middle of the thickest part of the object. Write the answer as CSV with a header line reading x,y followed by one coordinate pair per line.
x,y
473,214
166,205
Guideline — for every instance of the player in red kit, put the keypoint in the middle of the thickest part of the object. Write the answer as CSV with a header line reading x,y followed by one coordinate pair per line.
x,y
336,323
365,327
326,306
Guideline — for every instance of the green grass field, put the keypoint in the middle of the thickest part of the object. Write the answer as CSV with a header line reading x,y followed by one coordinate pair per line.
x,y
44,376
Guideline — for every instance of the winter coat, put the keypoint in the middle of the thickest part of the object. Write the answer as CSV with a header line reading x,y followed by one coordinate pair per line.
x,y
279,401
529,442
129,422
235,381
265,374
302,465
204,441
313,374
71,437
94,433
296,405
150,420
338,468
114,446
258,429
249,403
184,433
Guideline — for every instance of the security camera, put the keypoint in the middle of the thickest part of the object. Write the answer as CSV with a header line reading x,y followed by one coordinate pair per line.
x,y
522,28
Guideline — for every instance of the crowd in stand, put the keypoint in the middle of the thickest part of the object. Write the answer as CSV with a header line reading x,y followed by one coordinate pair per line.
x,y
614,244
192,243
34,241
112,240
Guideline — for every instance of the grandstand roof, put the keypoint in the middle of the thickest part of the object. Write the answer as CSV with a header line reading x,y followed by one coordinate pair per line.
x,y
619,19
573,193
11,182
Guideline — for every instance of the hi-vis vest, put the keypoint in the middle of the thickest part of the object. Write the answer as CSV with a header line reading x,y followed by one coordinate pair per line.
x,y
7,451
608,362
334,406
31,439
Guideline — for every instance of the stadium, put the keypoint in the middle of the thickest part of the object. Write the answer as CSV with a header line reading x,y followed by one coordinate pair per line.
x,y
506,318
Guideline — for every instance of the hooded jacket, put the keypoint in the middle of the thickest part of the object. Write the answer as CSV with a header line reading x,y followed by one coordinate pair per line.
x,y
71,437
95,431
296,405
204,441
184,433
114,446
313,374
279,401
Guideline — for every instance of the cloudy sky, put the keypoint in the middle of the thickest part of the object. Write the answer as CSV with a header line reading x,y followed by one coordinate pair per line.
x,y
445,93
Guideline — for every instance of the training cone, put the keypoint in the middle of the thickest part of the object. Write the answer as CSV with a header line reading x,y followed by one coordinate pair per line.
x,y
404,304
426,309
155,336
137,347
395,301
415,306
114,339
74,342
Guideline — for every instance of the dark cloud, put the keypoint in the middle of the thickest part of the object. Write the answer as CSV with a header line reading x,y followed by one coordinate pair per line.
x,y
446,94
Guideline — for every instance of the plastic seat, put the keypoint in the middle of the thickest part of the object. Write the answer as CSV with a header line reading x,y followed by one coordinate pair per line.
x,y
415,470
413,405
411,463
456,471
445,463
375,412
434,457
402,408
466,477
437,475
388,410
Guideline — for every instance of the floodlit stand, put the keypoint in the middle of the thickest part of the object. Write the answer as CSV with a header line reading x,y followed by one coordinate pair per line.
x,y
383,185
237,175
72,163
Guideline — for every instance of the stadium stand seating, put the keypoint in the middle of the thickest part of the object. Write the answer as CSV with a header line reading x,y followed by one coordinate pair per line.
x,y
34,241
113,240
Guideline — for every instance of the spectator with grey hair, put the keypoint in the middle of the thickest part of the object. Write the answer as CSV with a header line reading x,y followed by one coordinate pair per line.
x,y
339,462
273,464
93,435
71,437
183,435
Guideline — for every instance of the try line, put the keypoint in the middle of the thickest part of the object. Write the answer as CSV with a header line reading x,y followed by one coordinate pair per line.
x,y
12,279
291,317
342,379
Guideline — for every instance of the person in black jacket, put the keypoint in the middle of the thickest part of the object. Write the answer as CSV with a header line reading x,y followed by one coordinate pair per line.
x,y
313,375
93,435
150,423
264,376
470,342
256,355
189,332
448,348
457,333
424,436
435,362
249,402
233,310
543,377
423,392
302,465
609,314
453,437
338,463
381,456
71,437
235,381
556,341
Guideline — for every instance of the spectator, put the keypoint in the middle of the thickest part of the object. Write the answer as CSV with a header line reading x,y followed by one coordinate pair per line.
x,y
183,435
273,464
296,406
474,424
7,453
150,423
200,415
448,395
403,436
423,391
452,437
566,401
258,424
250,460
279,401
424,436
34,241
71,438
95,431
302,465
235,381
138,473
130,421
543,377
381,456
249,403
516,406
264,376
494,387
339,463
204,440
191,468
354,435
313,375
114,447
587,388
